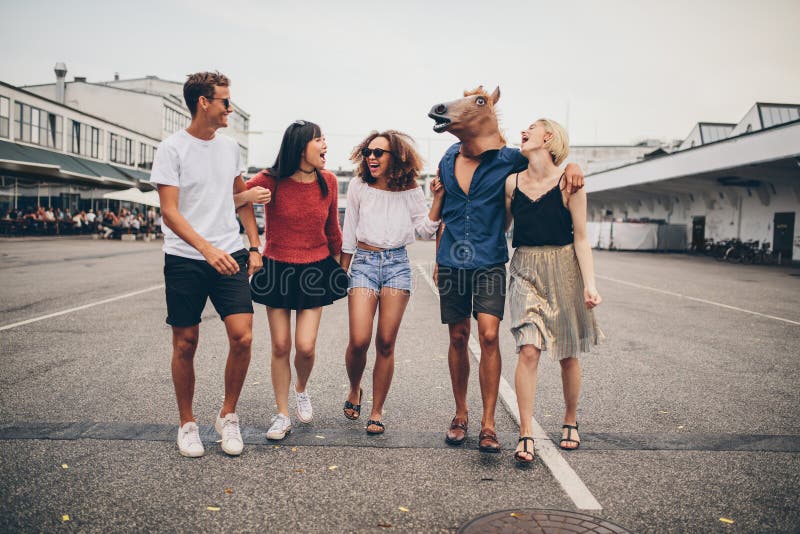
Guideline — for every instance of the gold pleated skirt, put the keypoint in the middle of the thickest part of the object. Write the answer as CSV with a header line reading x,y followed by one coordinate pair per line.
x,y
546,302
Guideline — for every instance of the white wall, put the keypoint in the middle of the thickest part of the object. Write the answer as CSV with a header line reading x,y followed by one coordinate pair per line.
x,y
693,139
752,118
67,114
720,206
137,111
599,158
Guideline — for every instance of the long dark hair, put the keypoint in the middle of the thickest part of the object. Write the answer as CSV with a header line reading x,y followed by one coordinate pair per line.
x,y
294,142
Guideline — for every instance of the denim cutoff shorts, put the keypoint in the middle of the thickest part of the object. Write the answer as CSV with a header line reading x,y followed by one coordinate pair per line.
x,y
378,269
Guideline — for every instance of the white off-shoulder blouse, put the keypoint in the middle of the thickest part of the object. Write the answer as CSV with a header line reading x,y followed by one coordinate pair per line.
x,y
384,219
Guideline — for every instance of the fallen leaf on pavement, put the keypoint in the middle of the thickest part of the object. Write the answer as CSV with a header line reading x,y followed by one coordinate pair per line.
x,y
228,491
299,470
319,437
65,518
333,467
726,520
402,508
64,466
294,449
213,508
384,525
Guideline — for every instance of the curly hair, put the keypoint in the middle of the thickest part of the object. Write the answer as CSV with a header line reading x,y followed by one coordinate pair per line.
x,y
405,164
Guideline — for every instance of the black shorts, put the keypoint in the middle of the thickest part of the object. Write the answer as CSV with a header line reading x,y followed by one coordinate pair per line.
x,y
471,291
190,282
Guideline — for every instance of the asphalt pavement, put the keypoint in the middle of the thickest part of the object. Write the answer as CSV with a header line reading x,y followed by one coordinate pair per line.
x,y
688,414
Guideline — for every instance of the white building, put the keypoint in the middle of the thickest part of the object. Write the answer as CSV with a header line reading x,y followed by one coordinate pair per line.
x,y
149,105
65,144
745,185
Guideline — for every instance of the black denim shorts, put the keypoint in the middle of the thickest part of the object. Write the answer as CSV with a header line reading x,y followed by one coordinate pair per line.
x,y
189,283
471,291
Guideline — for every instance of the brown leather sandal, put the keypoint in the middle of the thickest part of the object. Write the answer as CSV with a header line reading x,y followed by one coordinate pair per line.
x,y
487,441
457,432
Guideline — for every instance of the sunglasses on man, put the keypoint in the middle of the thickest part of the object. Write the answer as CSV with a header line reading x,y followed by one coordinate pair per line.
x,y
225,101
367,152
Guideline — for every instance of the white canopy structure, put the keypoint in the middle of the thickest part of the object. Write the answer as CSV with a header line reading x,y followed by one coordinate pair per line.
x,y
134,195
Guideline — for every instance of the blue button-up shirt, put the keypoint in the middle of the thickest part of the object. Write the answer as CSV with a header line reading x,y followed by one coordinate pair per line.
x,y
474,233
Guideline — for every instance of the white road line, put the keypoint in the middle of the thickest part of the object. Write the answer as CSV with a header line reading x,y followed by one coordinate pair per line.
x,y
90,305
545,448
704,301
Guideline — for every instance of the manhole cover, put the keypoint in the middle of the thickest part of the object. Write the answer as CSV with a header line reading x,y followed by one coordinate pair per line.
x,y
541,521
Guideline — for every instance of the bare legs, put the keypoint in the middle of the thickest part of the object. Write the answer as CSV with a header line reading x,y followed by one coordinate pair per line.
x,y
280,330
363,303
239,328
571,384
525,380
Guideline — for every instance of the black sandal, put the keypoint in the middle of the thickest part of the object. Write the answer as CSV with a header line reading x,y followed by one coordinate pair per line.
x,y
518,455
373,422
569,439
355,407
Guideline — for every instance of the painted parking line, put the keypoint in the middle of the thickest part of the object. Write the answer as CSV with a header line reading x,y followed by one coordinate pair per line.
x,y
696,299
544,446
79,308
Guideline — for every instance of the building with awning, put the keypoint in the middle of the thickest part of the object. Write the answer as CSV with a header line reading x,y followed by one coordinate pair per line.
x,y
727,181
69,143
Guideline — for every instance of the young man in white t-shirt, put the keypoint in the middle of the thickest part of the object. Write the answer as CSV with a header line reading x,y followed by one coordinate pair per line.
x,y
197,172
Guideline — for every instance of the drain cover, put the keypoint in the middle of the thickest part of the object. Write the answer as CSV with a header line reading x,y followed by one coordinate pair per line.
x,y
541,521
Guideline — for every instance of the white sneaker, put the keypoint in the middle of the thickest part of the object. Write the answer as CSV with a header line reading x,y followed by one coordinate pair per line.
x,y
304,410
281,426
228,428
189,443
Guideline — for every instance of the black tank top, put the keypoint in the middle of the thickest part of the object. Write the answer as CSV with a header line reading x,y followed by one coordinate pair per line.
x,y
540,222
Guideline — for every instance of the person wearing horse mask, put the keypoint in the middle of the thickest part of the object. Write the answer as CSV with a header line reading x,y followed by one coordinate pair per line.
x,y
472,252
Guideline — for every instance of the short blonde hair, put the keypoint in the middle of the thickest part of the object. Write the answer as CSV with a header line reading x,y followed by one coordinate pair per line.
x,y
558,145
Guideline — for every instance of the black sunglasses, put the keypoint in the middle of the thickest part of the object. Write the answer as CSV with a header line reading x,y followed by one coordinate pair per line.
x,y
225,101
367,152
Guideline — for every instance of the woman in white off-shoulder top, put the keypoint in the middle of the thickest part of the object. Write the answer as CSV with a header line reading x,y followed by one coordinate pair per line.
x,y
385,208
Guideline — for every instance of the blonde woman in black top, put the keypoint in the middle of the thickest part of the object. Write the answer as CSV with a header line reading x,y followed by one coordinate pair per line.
x,y
552,290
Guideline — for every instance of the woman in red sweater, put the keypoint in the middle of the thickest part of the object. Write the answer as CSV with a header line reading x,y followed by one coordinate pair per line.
x,y
301,270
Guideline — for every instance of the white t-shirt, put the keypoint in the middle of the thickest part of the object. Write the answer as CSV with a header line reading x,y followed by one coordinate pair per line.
x,y
384,219
204,171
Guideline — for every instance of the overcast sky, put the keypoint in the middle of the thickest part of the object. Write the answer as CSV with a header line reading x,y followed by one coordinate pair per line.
x,y
614,72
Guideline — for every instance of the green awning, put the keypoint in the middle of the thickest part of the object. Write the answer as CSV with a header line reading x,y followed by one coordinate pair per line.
x,y
26,159
136,174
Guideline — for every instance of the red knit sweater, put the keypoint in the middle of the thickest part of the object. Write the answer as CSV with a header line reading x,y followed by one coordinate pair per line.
x,y
301,225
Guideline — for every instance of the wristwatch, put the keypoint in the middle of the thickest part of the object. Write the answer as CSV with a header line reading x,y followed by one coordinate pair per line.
x,y
254,249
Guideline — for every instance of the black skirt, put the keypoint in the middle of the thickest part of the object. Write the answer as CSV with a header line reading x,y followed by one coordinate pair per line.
x,y
298,286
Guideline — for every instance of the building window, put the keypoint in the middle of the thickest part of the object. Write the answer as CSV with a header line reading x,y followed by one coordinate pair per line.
x,y
84,140
243,153
174,121
120,149
5,114
146,155
33,125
